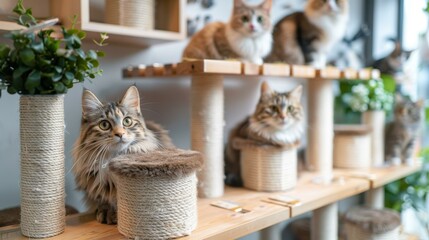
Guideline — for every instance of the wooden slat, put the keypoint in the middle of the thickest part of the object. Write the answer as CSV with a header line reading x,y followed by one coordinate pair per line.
x,y
299,71
365,74
381,176
328,73
272,69
208,67
349,74
250,69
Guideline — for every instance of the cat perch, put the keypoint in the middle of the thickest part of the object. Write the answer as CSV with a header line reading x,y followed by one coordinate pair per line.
x,y
157,196
267,167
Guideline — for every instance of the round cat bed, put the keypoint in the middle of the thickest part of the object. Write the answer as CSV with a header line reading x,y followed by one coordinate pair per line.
x,y
372,224
266,167
352,146
157,193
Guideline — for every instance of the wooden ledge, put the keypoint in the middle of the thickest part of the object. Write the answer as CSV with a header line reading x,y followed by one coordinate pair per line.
x,y
208,66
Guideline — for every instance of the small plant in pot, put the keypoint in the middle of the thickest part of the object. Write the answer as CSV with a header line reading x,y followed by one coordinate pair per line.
x,y
41,67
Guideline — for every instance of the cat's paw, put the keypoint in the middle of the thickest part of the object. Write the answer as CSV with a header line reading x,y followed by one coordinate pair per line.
x,y
106,215
409,161
395,161
233,180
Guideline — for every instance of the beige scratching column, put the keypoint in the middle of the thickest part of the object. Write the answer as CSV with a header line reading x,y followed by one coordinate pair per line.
x,y
207,132
320,152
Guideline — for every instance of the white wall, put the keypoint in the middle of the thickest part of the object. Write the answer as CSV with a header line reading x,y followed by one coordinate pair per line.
x,y
164,100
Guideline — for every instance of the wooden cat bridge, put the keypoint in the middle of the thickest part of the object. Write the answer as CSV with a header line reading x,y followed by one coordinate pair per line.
x,y
318,190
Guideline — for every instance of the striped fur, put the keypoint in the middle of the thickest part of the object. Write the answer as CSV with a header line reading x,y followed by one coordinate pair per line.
x,y
402,133
247,36
108,130
277,120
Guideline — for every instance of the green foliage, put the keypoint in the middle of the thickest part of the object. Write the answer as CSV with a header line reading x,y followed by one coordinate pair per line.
x,y
38,63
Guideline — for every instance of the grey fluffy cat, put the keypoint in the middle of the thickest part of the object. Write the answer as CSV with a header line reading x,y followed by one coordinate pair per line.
x,y
109,130
277,120
403,131
308,36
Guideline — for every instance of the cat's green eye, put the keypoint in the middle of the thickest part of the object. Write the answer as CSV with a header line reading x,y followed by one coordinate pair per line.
x,y
290,108
260,19
104,125
245,19
127,122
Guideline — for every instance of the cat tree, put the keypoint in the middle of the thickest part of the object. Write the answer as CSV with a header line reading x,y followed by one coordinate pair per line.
x,y
207,120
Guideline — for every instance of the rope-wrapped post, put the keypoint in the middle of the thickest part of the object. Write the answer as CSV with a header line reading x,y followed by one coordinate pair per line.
x,y
374,224
352,147
320,152
374,198
42,165
266,167
157,193
207,132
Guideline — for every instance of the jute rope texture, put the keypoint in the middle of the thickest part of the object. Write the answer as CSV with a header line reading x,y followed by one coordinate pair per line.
x,y
268,170
356,233
207,132
42,165
159,207
132,13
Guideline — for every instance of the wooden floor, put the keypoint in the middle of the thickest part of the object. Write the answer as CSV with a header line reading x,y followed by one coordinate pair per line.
x,y
217,223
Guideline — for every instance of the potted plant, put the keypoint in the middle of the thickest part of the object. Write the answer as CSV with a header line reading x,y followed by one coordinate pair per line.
x,y
41,68
372,100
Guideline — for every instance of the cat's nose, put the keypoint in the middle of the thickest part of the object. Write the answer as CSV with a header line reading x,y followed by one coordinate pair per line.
x,y
119,135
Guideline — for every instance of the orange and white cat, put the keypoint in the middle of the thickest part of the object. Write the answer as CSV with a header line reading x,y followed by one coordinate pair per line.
x,y
247,36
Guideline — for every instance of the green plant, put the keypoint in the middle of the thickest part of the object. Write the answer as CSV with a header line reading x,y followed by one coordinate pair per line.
x,y
411,192
39,63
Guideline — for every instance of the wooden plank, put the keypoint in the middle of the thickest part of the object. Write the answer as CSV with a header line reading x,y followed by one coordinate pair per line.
x,y
250,69
329,73
276,69
381,176
208,66
139,71
314,195
365,74
301,71
349,74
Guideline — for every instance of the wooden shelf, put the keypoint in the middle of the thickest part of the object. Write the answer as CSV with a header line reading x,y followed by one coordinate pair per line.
x,y
170,22
246,69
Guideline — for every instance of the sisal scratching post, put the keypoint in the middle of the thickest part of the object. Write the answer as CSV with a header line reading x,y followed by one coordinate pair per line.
x,y
372,224
266,167
207,132
42,165
352,147
374,198
376,120
324,223
157,193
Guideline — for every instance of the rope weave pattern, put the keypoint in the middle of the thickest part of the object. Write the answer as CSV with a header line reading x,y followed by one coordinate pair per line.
x,y
207,132
42,165
157,207
352,151
132,13
356,233
272,170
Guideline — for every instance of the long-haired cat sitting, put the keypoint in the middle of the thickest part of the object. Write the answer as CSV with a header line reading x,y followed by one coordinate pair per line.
x,y
307,37
402,133
108,130
277,120
247,36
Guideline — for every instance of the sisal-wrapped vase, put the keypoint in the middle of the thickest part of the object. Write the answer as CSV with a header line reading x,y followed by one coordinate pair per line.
x,y
265,167
42,165
372,224
131,13
157,193
352,147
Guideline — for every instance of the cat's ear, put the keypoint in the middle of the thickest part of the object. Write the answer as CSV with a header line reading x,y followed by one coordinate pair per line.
x,y
420,103
238,3
89,102
266,5
296,93
265,89
398,98
131,99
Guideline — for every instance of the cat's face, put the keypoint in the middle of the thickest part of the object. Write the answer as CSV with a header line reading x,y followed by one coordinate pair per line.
x,y
328,7
251,21
279,110
114,125
407,111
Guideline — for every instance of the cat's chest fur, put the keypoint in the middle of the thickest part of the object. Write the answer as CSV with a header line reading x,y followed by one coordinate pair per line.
x,y
250,48
276,136
332,28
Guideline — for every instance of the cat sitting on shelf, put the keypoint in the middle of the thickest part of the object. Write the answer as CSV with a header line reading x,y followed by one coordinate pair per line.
x,y
108,130
247,36
307,37
402,133
277,120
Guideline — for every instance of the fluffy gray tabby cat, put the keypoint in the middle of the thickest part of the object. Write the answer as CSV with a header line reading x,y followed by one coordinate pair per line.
x,y
109,130
277,120
403,131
